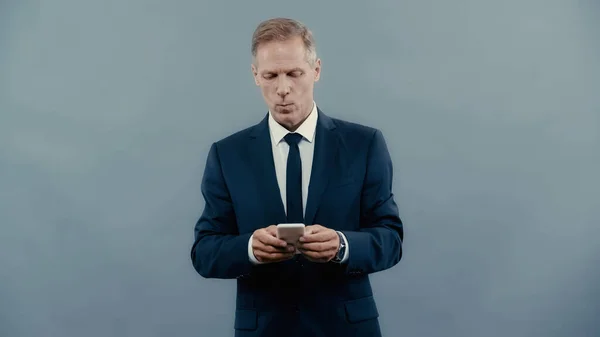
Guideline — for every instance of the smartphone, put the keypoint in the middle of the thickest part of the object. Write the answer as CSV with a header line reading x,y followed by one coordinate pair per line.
x,y
290,232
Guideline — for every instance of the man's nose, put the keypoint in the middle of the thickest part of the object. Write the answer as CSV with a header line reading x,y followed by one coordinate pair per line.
x,y
283,88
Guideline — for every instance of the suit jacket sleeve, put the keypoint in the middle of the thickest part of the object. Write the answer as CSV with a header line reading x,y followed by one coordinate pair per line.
x,y
377,245
218,251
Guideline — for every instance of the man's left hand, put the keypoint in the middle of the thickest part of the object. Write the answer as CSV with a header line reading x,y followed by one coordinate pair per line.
x,y
319,244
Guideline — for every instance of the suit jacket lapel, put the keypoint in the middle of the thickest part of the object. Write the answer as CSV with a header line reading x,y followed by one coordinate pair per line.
x,y
326,150
260,150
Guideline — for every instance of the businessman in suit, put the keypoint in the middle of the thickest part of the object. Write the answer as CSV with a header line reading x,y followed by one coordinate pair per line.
x,y
298,165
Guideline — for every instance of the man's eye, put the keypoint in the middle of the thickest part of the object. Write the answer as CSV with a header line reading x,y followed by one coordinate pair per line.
x,y
269,76
295,73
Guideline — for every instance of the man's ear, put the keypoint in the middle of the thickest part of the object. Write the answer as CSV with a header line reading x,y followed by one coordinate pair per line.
x,y
317,70
254,73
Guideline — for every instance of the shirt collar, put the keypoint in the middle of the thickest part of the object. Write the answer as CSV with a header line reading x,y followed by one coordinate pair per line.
x,y
306,129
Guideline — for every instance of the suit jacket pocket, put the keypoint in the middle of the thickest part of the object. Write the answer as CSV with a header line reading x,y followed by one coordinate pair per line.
x,y
246,319
361,309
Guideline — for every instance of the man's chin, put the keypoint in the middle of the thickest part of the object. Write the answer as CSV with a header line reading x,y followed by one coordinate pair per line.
x,y
287,120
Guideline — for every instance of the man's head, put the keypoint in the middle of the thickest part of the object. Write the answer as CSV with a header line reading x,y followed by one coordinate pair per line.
x,y
285,67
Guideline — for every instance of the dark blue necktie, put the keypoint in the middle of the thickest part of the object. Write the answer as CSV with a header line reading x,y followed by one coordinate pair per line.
x,y
294,180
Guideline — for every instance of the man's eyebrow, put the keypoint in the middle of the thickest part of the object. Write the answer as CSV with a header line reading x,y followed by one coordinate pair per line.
x,y
275,71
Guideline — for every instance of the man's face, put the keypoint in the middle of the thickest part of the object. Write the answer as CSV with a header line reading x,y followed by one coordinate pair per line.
x,y
286,80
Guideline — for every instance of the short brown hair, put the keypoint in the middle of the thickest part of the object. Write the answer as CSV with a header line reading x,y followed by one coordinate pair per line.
x,y
282,29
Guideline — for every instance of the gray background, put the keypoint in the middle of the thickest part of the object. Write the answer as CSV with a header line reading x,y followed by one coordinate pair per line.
x,y
491,112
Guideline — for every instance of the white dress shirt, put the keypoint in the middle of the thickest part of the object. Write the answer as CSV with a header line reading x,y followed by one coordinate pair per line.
x,y
281,149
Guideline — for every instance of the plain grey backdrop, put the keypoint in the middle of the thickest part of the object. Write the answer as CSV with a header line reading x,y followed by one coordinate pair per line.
x,y
490,109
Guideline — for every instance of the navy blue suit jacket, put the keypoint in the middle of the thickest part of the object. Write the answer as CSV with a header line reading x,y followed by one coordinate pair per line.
x,y
350,190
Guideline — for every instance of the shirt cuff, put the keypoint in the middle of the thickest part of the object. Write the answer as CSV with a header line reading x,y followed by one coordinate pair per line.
x,y
346,253
251,253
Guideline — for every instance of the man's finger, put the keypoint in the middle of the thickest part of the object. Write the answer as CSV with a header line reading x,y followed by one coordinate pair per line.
x,y
270,240
272,256
271,249
311,252
317,246
272,230
319,256
312,229
317,237
266,257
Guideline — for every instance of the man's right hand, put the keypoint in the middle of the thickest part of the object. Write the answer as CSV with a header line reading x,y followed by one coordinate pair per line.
x,y
267,248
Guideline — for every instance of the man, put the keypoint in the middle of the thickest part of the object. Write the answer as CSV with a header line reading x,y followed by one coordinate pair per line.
x,y
298,165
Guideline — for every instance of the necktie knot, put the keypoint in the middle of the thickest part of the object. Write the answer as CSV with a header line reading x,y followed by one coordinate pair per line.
x,y
293,138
